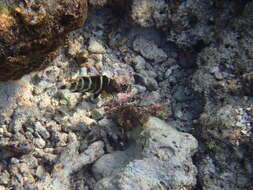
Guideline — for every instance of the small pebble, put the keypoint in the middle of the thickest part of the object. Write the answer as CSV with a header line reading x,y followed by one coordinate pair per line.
x,y
96,47
39,142
40,172
1,131
14,160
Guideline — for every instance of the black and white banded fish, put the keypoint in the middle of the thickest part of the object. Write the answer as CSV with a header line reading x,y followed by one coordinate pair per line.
x,y
96,84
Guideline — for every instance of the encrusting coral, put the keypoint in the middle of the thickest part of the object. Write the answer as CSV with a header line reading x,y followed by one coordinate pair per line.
x,y
31,31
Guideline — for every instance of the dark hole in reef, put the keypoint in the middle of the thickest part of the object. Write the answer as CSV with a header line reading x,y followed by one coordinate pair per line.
x,y
66,20
193,20
240,5
199,46
35,8
120,8
63,87
210,22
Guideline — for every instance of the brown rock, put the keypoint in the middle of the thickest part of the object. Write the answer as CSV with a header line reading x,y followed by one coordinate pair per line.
x,y
31,31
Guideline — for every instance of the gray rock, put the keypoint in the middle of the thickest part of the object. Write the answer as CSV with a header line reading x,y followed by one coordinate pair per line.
x,y
31,161
8,91
40,172
96,47
149,13
20,116
146,80
149,50
14,161
108,164
68,97
39,142
182,94
41,130
153,97
168,73
139,63
164,162
4,177
139,88
69,162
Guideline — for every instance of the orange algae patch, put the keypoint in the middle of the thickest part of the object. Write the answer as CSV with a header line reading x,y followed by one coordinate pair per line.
x,y
6,20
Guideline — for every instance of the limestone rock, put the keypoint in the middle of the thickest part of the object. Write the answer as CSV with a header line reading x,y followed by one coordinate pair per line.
x,y
160,159
31,31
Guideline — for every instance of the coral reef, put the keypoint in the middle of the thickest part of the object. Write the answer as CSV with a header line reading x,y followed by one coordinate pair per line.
x,y
31,31
183,120
155,151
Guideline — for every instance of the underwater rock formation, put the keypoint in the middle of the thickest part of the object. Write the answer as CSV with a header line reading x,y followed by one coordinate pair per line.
x,y
31,31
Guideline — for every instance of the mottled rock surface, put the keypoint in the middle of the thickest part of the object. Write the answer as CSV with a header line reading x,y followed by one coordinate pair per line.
x,y
30,32
191,62
161,158
188,22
